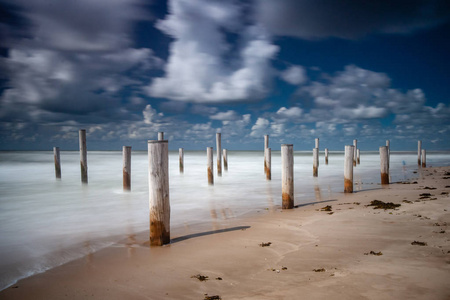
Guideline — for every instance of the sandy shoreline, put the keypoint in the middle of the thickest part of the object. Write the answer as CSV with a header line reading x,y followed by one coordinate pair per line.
x,y
338,246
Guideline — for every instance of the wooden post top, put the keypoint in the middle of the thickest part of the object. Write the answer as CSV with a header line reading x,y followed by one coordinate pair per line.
x,y
156,141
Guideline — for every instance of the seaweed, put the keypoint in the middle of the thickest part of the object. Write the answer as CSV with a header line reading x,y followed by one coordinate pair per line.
x,y
407,201
319,270
265,244
383,205
215,297
219,278
374,253
429,188
200,277
419,243
326,208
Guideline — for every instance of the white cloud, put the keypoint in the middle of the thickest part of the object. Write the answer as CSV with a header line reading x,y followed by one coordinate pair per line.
x,y
229,115
196,70
292,114
294,75
260,128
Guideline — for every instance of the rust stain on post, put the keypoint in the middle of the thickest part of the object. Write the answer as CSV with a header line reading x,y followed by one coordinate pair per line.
x,y
288,202
210,176
126,180
384,178
348,186
315,172
159,236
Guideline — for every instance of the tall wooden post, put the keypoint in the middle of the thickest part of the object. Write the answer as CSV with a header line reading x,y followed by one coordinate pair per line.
x,y
384,164
158,184
355,144
160,136
388,145
57,162
210,165
348,169
419,149
268,159
266,145
316,143
326,156
83,156
181,154
424,158
219,153
126,154
358,156
287,176
315,162
225,159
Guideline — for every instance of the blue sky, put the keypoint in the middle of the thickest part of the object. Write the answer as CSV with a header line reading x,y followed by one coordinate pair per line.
x,y
296,70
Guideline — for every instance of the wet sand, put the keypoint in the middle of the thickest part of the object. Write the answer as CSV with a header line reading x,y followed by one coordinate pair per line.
x,y
350,251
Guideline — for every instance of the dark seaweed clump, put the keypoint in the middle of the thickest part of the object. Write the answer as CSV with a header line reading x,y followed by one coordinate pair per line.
x,y
215,297
200,277
419,243
319,270
383,205
265,244
374,253
326,208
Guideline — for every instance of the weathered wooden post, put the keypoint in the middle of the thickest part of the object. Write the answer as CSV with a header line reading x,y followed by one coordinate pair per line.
x,y
219,153
287,176
268,159
83,156
160,136
384,164
315,162
225,159
424,158
348,169
181,154
355,144
388,145
158,184
57,162
210,165
126,155
326,156
316,143
358,156
266,145
419,149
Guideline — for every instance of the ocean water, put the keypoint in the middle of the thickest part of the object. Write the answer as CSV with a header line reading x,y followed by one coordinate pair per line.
x,y
46,222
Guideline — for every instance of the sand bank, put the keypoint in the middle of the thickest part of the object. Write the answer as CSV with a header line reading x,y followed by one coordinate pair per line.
x,y
349,251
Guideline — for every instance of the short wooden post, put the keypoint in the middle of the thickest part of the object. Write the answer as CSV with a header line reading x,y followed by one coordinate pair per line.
x,y
57,162
326,156
315,162
419,149
83,156
287,176
316,143
158,184
210,165
388,145
358,156
160,136
348,169
219,153
126,155
355,144
384,164
181,153
268,159
424,158
225,159
266,145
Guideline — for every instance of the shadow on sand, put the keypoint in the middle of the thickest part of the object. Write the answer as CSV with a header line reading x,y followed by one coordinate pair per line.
x,y
194,235
312,203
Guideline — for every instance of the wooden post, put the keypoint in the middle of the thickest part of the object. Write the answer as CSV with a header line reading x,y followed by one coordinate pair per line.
x,y
210,165
219,153
316,143
57,162
348,169
326,156
268,159
384,164
388,145
158,184
126,154
266,145
287,176
225,159
315,162
181,153
83,156
419,149
358,156
355,144
160,136
424,158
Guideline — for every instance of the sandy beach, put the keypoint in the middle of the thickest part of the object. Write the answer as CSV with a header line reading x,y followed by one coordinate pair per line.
x,y
341,248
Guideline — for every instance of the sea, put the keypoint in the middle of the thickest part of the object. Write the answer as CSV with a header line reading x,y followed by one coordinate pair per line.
x,y
46,222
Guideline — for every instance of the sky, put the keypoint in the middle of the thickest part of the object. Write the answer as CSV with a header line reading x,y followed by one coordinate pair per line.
x,y
296,70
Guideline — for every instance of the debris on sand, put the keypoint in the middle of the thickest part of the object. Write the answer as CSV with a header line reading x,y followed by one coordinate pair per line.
x,y
319,270
215,297
326,208
382,205
265,244
200,277
374,253
419,243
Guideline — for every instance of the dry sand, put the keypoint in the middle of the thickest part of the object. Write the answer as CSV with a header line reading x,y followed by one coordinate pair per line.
x,y
302,240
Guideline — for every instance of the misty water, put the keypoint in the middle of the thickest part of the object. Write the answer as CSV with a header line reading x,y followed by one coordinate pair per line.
x,y
46,222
